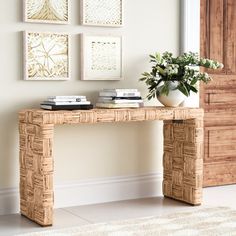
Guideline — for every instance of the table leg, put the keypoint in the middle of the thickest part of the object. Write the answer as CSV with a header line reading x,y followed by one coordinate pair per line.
x,y
36,172
183,160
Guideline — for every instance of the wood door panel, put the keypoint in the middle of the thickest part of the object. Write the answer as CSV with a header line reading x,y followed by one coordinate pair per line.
x,y
221,99
216,32
221,117
204,27
219,173
221,81
231,37
220,144
218,98
212,31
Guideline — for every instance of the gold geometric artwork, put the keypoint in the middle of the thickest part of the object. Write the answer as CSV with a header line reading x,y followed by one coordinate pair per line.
x,y
46,56
47,11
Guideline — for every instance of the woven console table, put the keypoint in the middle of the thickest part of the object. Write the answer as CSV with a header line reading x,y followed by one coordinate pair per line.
x,y
183,152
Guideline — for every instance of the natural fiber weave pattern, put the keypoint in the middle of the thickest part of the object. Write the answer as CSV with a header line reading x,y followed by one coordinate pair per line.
x,y
108,115
182,158
36,172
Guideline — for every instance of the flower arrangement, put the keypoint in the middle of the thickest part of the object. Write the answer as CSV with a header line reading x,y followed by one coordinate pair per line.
x,y
182,71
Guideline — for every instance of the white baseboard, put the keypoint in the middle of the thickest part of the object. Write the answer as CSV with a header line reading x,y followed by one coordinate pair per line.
x,y
92,191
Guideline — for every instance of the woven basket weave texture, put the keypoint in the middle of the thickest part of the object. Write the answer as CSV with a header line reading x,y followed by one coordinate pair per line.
x,y
183,144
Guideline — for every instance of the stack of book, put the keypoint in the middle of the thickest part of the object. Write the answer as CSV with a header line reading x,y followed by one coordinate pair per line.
x,y
119,98
66,103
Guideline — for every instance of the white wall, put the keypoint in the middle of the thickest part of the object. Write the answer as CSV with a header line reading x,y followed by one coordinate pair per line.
x,y
190,37
86,151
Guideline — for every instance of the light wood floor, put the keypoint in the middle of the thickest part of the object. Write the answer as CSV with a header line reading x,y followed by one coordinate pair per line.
x,y
76,216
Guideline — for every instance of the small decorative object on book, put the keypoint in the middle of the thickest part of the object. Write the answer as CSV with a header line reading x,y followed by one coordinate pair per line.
x,y
66,103
173,78
119,98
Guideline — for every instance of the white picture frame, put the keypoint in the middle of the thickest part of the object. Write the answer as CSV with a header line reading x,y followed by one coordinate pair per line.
x,y
101,57
106,13
33,11
46,56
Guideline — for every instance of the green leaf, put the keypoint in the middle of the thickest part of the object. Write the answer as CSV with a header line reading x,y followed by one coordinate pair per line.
x,y
145,74
142,79
194,81
165,89
182,88
192,88
159,81
152,87
160,70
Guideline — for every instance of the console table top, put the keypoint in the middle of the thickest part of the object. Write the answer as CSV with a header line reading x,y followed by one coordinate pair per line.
x,y
97,115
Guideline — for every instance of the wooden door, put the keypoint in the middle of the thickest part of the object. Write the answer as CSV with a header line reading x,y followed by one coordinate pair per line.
x,y
218,98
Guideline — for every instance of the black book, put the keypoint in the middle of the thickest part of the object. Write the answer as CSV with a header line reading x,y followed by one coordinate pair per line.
x,y
66,107
127,98
120,98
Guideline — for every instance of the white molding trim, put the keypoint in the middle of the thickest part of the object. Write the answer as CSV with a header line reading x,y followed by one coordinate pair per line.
x,y
190,36
92,191
190,25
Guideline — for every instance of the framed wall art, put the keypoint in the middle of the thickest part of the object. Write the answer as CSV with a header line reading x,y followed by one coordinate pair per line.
x,y
102,13
46,56
101,57
46,11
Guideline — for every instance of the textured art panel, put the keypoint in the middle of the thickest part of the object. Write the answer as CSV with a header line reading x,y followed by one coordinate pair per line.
x,y
102,57
47,11
46,56
102,12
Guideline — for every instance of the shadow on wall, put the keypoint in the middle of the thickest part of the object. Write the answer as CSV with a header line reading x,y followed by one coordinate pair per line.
x,y
8,169
9,120
9,123
20,10
150,144
150,152
9,158
20,54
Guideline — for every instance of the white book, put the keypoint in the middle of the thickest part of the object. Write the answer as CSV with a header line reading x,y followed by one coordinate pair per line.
x,y
119,101
66,103
125,105
66,97
120,90
119,94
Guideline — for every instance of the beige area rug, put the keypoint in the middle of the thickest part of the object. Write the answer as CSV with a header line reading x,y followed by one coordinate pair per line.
x,y
201,222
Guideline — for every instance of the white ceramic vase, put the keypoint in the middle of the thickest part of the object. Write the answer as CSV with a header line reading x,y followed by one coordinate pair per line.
x,y
174,98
